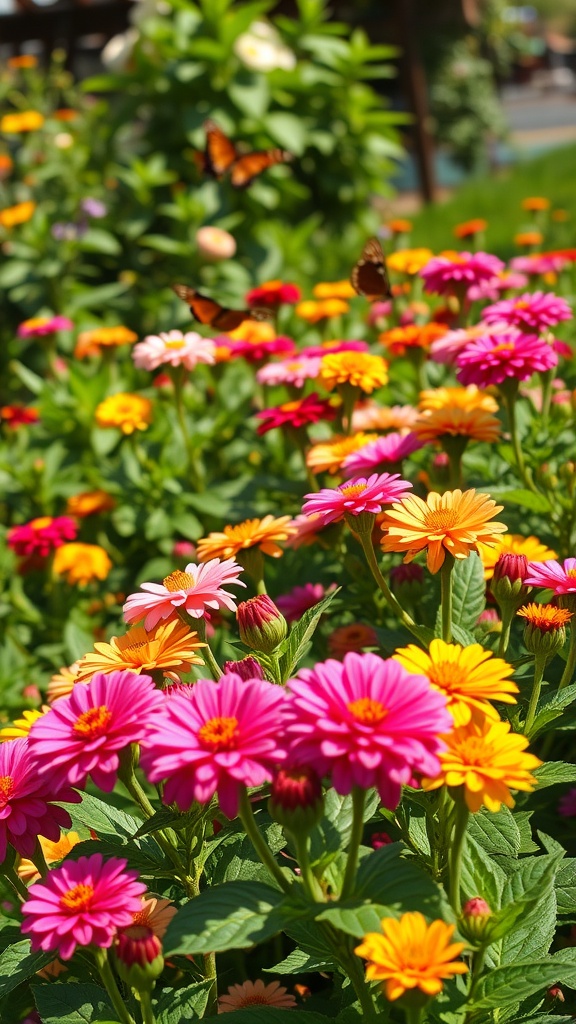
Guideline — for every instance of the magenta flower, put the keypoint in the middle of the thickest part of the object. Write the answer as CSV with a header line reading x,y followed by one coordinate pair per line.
x,y
195,590
530,312
491,291
26,810
561,578
41,536
366,722
356,496
290,371
494,358
299,413
82,734
81,903
539,263
390,448
444,274
299,600
447,348
172,348
224,736
40,326
256,351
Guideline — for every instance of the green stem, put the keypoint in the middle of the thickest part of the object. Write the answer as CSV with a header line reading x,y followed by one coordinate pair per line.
x,y
209,961
539,666
147,1011
358,803
105,971
310,882
253,832
509,398
128,778
40,860
458,837
396,607
414,1014
16,883
446,590
508,611
192,463
213,665
352,964
546,377
571,660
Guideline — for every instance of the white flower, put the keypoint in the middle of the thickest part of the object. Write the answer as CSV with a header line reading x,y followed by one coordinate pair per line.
x,y
262,49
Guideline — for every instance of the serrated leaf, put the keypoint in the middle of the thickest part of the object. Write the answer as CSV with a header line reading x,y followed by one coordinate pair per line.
x,y
117,832
164,817
296,644
355,917
73,1004
554,772
505,986
495,832
333,832
481,874
390,878
551,707
17,964
468,591
180,1005
565,885
233,857
530,887
299,962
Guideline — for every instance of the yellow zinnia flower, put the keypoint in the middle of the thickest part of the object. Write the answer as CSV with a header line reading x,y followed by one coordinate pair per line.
x,y
89,503
488,760
126,411
27,121
411,954
18,214
62,682
252,533
468,398
513,544
358,369
20,727
473,424
170,646
312,311
333,290
81,563
53,852
253,331
328,456
452,522
409,261
468,677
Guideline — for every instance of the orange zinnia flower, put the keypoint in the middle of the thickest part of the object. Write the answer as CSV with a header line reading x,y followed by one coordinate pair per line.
x,y
252,533
125,411
452,522
253,331
20,727
409,261
529,238
6,165
89,343
411,954
469,228
62,682
65,114
457,398
354,637
313,311
19,214
474,424
333,290
369,415
534,203
89,503
81,563
399,226
156,914
170,646
545,617
398,339
328,456
23,60
53,852
358,369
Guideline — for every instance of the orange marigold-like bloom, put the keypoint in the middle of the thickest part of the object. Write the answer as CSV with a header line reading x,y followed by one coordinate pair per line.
x,y
253,331
398,339
53,852
333,290
62,682
399,226
534,203
6,165
475,424
156,914
252,533
457,398
355,637
313,311
23,60
65,114
545,617
560,216
19,214
81,563
89,343
409,261
469,228
529,238
411,954
170,646
328,456
513,544
452,522
369,415
255,993
126,411
27,121
488,760
359,369
89,503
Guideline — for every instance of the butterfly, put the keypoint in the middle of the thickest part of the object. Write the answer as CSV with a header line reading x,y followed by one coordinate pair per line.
x,y
221,157
369,276
208,311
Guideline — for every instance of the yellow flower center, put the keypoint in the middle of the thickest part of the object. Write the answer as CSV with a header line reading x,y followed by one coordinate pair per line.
x,y
367,711
440,519
504,347
353,490
93,723
41,523
291,406
571,572
178,580
6,789
219,733
474,751
78,899
175,344
447,675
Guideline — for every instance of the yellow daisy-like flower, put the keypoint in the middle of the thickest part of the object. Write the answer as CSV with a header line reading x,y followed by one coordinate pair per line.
x,y
328,456
333,290
358,369
53,852
20,727
26,121
89,503
253,331
488,760
474,424
170,646
18,214
62,682
411,954
453,522
468,677
409,261
315,310
513,544
469,398
125,411
81,563
545,617
252,533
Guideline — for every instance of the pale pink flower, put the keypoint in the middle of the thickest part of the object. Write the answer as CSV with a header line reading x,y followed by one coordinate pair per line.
x,y
491,291
539,263
306,529
290,371
225,735
172,348
82,734
390,448
215,243
81,903
442,274
366,722
195,590
530,312
255,993
492,359
300,599
369,415
356,496
557,576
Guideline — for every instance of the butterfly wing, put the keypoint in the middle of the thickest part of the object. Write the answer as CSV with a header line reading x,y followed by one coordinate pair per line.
x,y
220,153
369,276
247,167
207,311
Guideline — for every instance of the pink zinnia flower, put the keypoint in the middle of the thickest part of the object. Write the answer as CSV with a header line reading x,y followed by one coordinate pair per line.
x,y
567,804
556,576
492,359
81,903
442,274
539,263
390,448
273,293
195,590
40,326
300,599
41,536
306,529
356,496
256,351
172,348
366,722
491,290
299,413
291,371
224,736
448,348
26,810
82,734
531,312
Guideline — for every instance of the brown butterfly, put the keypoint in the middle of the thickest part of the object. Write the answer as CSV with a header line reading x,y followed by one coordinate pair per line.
x,y
369,276
207,311
221,157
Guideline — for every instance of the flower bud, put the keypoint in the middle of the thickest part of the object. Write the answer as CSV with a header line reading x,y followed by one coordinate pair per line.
x,y
296,801
261,624
545,631
215,243
407,582
139,959
507,583
556,994
246,668
474,920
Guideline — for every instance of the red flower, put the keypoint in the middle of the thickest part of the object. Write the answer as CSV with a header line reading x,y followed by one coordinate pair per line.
x,y
298,413
15,416
273,293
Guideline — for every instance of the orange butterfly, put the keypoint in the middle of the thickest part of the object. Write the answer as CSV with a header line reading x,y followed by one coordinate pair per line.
x,y
369,276
221,156
208,311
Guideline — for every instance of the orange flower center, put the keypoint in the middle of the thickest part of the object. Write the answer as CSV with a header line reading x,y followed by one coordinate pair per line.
x,y
255,999
41,523
504,347
571,572
219,733
78,899
367,711
447,675
178,580
291,406
92,723
521,304
353,490
474,752
6,789
440,519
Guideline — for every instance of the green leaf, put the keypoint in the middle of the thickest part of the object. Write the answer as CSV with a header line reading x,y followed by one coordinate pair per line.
x,y
504,986
528,499
270,1015
565,884
17,964
73,1004
179,1005
391,878
162,818
481,874
495,833
552,707
233,856
554,772
530,887
468,591
335,829
116,831
355,917
299,962
97,240
287,130
296,644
